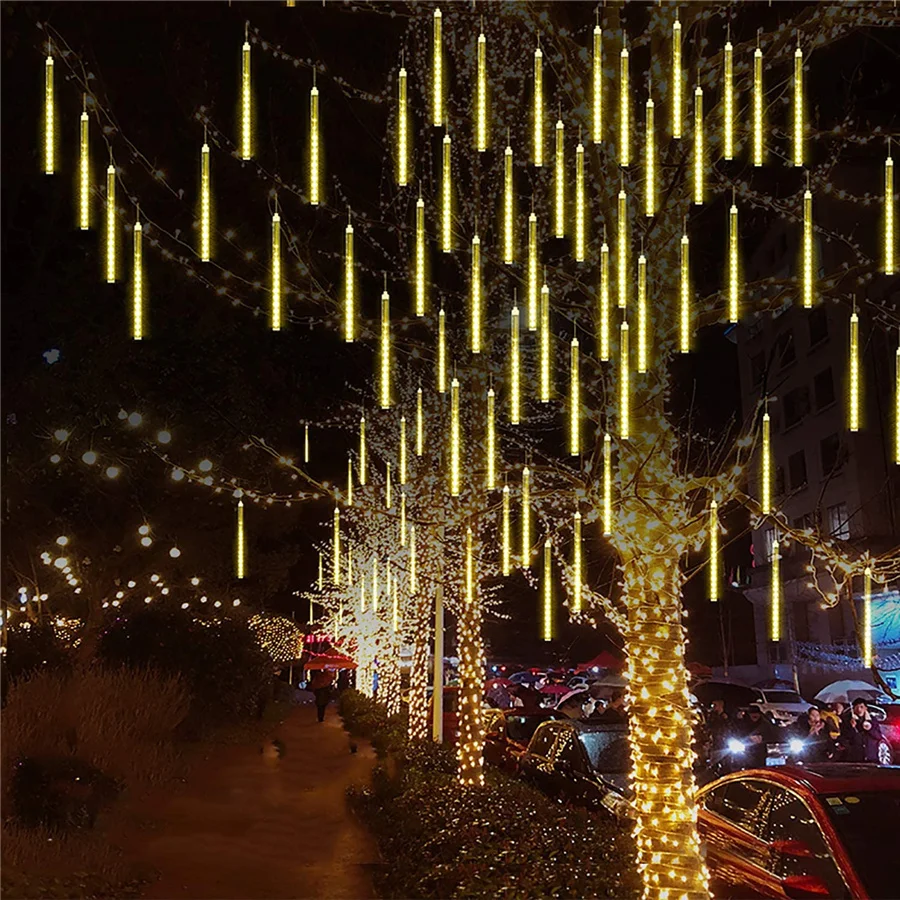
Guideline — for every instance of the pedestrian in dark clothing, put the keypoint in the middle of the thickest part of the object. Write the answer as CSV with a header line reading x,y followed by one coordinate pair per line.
x,y
756,733
865,734
812,729
321,686
719,724
343,681
615,713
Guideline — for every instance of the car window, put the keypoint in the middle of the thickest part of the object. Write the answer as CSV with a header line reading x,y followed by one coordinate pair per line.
x,y
567,751
608,751
743,802
521,728
494,722
782,697
789,818
542,742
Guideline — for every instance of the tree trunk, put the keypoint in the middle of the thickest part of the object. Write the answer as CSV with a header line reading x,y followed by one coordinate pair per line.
x,y
470,745
418,684
389,681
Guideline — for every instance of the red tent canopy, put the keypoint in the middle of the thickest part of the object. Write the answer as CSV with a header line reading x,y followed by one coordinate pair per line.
x,y
603,660
328,661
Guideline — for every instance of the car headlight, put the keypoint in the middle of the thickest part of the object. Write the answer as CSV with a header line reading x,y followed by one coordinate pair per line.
x,y
735,746
796,746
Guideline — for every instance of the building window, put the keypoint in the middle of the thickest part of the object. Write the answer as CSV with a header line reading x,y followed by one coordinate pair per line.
x,y
839,522
779,481
797,470
801,621
818,325
785,351
823,387
769,544
757,368
796,406
830,448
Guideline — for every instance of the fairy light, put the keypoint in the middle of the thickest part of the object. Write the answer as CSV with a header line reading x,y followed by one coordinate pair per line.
x,y
597,86
362,593
111,224
481,122
624,383
505,535
685,294
714,575
677,75
508,207
471,649
580,211
49,118
733,270
476,311
897,407
388,491
867,618
306,443
577,575
240,556
375,591
363,464
442,353
574,400
276,273
413,578
420,257
642,316
402,130
84,174
205,205
420,423
538,111
547,591
321,581
699,152
437,73
336,548
137,284
798,108
607,486
393,590
526,517
349,481
758,148
545,387
624,111
889,215
455,442
446,199
246,113
622,242
314,147
385,367
650,159
532,272
728,103
559,182
349,285
402,453
515,374
604,301
765,500
490,443
854,376
775,624
808,254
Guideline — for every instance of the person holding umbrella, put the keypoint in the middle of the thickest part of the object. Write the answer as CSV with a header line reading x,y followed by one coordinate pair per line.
x,y
865,734
321,685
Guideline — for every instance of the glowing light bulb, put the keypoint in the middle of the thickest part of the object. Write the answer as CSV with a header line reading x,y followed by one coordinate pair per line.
x,y
624,111
797,131
607,486
110,242
49,119
758,139
854,374
113,472
867,619
363,463
728,103
597,86
623,241
446,198
420,257
205,465
526,517
547,592
240,550
775,625
246,111
314,146
349,494
336,548
137,286
505,536
889,238
402,130
642,316
559,182
402,519
574,400
205,234
545,386
603,339
476,300
437,73
481,115
808,287
765,500
650,159
532,273
306,443
388,493
84,175
402,454
714,575
276,311
61,435
677,77
578,249
734,290
624,383
62,540
508,207
685,295
442,353
455,440
385,360
349,286
515,374
538,109
577,576
420,424
375,593
490,443
135,419
174,553
699,152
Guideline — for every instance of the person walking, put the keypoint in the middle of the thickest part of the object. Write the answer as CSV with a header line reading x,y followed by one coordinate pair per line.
x,y
321,686
865,734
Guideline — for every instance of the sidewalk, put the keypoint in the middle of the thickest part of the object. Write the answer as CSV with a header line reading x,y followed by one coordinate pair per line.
x,y
251,824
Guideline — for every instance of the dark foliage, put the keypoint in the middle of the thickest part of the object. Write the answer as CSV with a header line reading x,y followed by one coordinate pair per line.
x,y
34,649
367,718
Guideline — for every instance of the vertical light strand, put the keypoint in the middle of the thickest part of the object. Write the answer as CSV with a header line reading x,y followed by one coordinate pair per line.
x,y
420,257
699,151
537,123
402,129
375,586
604,324
728,103
437,73
362,592
714,573
413,579
205,204
734,289
643,338
775,612
240,544
420,423
650,159
867,618
321,581
526,517
505,535
395,602
685,297
580,241
246,104
349,494
758,138
84,172
797,131
544,345
306,443
385,360
49,118
455,443
442,352
490,443
476,299
677,78
889,238
350,567
808,260
559,182
349,285
481,113
547,591
607,486
363,459
623,240
388,487
336,548
403,518
314,145
597,86
624,111
765,499
137,284
624,383
110,236
854,374
574,400
446,198
897,406
470,568
402,454
276,310
577,565
508,206
532,273
515,374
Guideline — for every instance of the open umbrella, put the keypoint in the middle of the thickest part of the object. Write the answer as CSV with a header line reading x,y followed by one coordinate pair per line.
x,y
845,691
496,682
524,678
559,689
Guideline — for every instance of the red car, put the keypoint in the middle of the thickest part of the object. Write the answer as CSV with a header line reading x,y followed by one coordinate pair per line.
x,y
826,830
507,734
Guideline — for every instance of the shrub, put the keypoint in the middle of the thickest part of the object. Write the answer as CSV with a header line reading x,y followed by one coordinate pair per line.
x,y
34,648
366,718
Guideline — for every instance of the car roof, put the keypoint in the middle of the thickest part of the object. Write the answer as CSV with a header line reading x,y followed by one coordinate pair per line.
x,y
826,778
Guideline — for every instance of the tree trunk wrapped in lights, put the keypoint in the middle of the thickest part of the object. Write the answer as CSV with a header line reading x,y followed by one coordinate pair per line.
x,y
470,743
418,688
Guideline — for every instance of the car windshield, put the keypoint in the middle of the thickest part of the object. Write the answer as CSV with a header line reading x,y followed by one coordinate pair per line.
x,y
868,825
608,751
521,728
782,697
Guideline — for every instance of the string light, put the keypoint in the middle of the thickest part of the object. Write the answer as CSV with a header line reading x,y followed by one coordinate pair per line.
x,y
306,443
622,245
897,407
363,464
388,496
728,104
624,111
455,441
246,113
420,424
508,207
526,517
699,152
580,211
714,578
532,272
854,386
413,579
677,76
867,619
733,270
545,388
475,344
362,594
505,535
538,112
471,649
559,182
446,199
576,565
321,581
375,592
624,383
490,443
574,400
547,591
442,353
776,592
349,285
395,594
758,147
597,84
402,130
240,555
604,301
336,548
481,121
111,224
49,118
420,257
650,160
889,215
349,481
314,148
402,454
137,284
685,294
276,273
84,174
515,375
607,486
642,316
808,253
385,367
205,205
437,73
798,107
765,501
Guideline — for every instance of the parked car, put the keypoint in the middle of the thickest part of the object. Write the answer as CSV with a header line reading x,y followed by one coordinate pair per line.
x,y
582,763
890,728
825,830
781,705
507,734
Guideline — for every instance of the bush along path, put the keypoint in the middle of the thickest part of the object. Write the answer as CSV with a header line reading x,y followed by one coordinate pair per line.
x,y
268,821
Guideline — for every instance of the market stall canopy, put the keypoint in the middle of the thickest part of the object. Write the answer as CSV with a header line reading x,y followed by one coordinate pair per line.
x,y
328,661
603,660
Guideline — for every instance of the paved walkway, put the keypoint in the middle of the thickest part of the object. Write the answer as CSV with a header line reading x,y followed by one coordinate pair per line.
x,y
250,824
